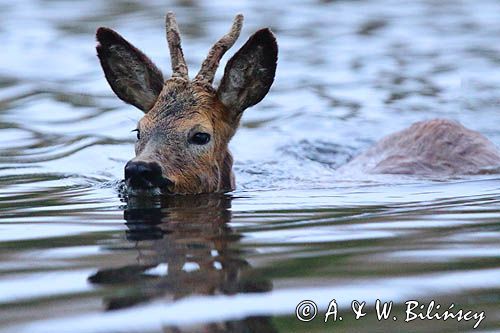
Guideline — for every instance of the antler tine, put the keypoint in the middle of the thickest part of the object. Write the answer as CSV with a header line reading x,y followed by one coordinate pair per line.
x,y
209,66
179,67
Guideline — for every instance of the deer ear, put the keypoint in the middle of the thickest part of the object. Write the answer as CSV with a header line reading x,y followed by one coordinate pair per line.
x,y
130,73
249,74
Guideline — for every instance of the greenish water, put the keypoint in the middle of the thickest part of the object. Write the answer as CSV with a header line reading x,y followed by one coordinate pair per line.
x,y
76,257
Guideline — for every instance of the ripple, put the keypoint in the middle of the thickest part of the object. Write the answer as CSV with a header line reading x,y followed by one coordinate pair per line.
x,y
348,74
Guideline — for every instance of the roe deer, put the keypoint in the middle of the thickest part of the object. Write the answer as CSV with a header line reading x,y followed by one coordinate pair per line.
x,y
183,138
437,147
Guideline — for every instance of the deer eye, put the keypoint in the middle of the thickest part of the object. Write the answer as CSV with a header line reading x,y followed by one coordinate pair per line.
x,y
138,133
200,138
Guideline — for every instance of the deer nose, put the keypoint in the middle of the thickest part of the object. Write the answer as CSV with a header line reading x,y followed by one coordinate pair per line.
x,y
143,174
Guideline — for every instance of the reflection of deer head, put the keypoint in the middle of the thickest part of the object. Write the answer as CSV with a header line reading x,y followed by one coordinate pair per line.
x,y
184,248
183,138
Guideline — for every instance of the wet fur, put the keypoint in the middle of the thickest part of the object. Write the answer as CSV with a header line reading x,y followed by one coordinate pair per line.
x,y
433,147
181,106
176,107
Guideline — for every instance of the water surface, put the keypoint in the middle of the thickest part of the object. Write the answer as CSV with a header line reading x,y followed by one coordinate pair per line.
x,y
76,257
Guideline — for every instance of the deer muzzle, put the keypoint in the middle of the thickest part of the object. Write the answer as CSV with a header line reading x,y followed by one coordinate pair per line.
x,y
141,175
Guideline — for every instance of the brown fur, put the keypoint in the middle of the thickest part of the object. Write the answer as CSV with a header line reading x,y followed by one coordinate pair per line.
x,y
433,147
177,108
131,74
182,107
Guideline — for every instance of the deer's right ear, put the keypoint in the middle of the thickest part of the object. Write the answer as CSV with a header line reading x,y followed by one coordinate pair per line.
x,y
249,74
130,73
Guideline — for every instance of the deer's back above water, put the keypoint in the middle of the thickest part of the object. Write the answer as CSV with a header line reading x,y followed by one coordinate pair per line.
x,y
183,138
433,147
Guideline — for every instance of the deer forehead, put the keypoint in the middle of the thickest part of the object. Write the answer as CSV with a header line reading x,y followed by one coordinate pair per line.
x,y
182,106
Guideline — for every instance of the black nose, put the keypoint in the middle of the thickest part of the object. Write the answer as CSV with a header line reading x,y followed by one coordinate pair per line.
x,y
143,174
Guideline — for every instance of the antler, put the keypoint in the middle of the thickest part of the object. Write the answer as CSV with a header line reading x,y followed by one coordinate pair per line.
x,y
209,66
179,67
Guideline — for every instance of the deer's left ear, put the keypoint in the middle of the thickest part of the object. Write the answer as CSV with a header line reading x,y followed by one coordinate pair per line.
x,y
130,73
249,74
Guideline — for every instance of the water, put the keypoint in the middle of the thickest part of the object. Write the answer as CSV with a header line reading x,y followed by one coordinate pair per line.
x,y
76,258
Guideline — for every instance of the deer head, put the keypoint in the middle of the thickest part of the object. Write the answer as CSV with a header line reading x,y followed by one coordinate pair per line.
x,y
182,140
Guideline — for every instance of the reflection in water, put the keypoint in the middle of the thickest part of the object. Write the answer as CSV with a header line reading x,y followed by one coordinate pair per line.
x,y
349,72
183,246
